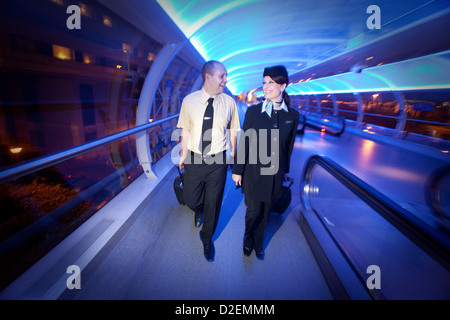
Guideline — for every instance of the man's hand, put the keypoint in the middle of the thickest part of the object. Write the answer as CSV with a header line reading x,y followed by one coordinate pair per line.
x,y
181,161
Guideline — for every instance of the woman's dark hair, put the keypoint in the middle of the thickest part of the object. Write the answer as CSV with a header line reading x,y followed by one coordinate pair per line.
x,y
286,98
280,80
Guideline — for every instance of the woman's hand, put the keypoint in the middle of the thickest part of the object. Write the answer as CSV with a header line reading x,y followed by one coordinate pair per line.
x,y
237,179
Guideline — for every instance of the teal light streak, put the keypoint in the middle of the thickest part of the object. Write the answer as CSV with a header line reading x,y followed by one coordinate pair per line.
x,y
190,21
383,79
242,53
267,62
421,73
275,44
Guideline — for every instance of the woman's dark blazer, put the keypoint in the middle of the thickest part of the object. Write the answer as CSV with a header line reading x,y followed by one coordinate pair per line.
x,y
248,161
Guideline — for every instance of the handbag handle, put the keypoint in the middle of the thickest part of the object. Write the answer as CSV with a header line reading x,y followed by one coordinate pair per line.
x,y
291,180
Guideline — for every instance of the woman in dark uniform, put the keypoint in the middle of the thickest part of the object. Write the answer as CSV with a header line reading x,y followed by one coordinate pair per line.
x,y
263,155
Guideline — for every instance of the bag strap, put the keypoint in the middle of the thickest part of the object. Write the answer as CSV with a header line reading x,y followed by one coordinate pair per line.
x,y
181,175
291,180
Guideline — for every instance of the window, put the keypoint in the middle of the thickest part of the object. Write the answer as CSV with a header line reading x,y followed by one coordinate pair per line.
x,y
151,56
62,53
85,10
88,58
347,105
427,110
380,109
107,21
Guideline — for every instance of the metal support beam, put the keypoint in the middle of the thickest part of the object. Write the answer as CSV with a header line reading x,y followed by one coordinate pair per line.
x,y
162,61
175,103
335,105
401,122
360,117
308,106
319,103
197,84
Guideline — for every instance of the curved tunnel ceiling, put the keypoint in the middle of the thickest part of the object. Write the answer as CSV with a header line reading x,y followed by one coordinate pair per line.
x,y
423,73
312,38
248,35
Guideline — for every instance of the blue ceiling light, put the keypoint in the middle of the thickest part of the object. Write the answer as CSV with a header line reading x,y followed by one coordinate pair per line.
x,y
191,15
249,35
423,73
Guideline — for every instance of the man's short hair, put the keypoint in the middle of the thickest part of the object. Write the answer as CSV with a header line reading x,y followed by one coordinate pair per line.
x,y
209,67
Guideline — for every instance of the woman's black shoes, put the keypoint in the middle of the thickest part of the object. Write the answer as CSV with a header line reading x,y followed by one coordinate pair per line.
x,y
248,250
259,253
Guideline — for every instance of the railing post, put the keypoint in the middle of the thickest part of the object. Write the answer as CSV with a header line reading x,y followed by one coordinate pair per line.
x,y
319,103
359,100
308,106
197,84
335,105
401,122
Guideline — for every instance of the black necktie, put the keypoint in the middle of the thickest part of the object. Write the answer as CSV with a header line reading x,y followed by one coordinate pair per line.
x,y
207,127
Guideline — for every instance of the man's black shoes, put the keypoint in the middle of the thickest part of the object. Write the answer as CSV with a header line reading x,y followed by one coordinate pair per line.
x,y
208,250
248,250
198,219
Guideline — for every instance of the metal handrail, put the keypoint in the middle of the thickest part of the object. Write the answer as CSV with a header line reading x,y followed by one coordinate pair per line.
x,y
19,238
382,116
338,119
419,233
434,193
22,169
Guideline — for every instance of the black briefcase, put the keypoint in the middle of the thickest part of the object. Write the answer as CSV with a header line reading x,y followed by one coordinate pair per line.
x,y
178,186
280,204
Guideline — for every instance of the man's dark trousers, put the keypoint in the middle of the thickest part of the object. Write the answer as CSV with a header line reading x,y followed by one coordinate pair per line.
x,y
204,184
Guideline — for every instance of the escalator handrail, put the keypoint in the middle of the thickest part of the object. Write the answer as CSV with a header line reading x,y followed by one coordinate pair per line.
x,y
338,119
433,192
43,162
401,219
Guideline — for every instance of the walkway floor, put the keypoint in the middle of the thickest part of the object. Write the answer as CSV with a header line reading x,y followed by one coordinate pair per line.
x,y
157,253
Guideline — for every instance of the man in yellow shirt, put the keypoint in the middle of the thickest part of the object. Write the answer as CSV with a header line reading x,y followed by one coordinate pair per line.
x,y
210,122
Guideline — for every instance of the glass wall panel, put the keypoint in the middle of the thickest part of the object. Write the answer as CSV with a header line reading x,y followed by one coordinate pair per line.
x,y
307,102
313,103
347,105
41,209
295,101
60,87
327,106
302,102
429,112
380,109
175,84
